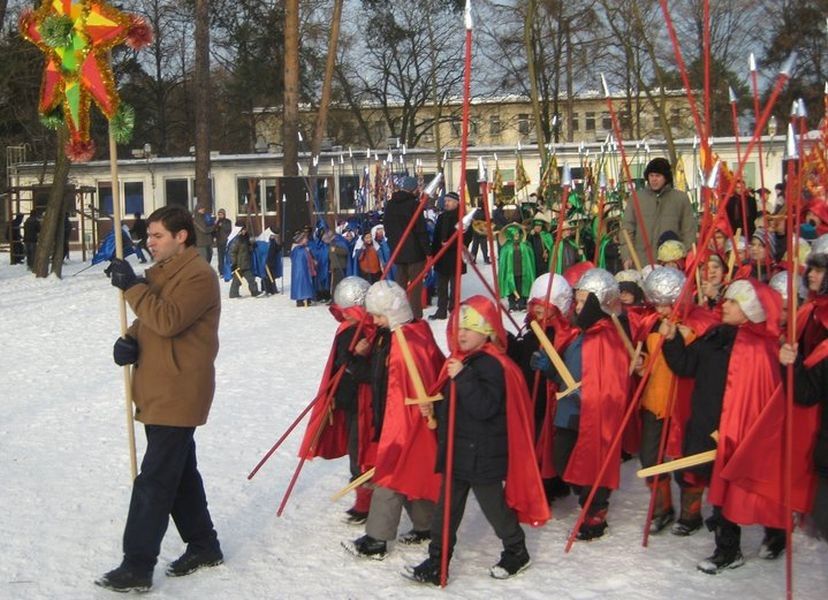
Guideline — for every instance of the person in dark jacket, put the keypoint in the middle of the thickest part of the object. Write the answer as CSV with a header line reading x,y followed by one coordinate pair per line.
x,y
445,267
242,264
486,426
18,250
742,201
810,360
139,235
221,231
31,231
411,258
273,266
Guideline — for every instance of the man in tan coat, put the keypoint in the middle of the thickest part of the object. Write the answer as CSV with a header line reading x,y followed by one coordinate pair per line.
x,y
173,344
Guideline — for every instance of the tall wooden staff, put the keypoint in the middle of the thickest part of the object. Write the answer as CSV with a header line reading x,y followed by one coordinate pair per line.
x,y
458,267
119,253
755,87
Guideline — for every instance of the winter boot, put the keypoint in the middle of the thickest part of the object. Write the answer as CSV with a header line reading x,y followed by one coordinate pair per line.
x,y
367,547
690,520
427,571
193,560
773,544
555,488
358,513
728,554
663,513
593,526
512,562
413,537
126,579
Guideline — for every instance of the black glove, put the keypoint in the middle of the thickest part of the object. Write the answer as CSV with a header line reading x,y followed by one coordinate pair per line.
x,y
539,361
234,267
125,351
121,274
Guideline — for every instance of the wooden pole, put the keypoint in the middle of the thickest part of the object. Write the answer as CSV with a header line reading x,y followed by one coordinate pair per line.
x,y
119,253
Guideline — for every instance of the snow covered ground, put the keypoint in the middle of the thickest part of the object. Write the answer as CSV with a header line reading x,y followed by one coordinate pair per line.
x,y
64,476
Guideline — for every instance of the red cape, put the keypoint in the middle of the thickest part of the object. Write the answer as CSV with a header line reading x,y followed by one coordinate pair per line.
x,y
748,478
564,333
523,489
333,440
605,391
407,449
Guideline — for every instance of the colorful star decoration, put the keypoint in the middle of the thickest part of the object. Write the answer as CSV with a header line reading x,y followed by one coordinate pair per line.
x,y
76,36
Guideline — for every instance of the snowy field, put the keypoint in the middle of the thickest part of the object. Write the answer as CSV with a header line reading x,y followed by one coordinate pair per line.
x,y
65,480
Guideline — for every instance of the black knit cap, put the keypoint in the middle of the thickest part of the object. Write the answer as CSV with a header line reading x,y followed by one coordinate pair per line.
x,y
662,167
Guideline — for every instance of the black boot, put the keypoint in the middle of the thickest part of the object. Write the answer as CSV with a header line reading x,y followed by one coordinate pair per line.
x,y
773,544
367,547
427,571
512,562
193,560
126,579
728,554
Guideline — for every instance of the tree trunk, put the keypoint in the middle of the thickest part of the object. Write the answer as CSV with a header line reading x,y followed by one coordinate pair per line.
x,y
50,240
325,100
528,35
3,4
290,114
202,104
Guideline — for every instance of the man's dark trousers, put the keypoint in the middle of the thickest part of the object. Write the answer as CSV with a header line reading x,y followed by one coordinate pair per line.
x,y
168,485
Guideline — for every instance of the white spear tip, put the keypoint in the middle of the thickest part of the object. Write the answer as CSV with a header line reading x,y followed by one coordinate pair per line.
x,y
731,95
299,133
787,68
791,151
604,85
752,62
467,18
801,111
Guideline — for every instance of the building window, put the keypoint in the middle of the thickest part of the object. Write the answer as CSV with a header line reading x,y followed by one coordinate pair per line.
x,y
606,121
177,193
494,125
455,127
624,120
590,121
656,123
270,195
246,187
105,198
474,126
379,131
675,117
133,197
576,123
523,124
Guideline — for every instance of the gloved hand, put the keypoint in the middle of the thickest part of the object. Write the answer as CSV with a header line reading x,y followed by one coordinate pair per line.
x,y
539,361
125,351
234,267
121,274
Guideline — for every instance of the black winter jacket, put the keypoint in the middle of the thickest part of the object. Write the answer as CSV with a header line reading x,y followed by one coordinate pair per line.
x,y
705,359
480,442
811,388
398,212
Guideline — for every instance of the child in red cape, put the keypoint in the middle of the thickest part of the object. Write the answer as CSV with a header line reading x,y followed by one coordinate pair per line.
x,y
340,422
492,440
404,475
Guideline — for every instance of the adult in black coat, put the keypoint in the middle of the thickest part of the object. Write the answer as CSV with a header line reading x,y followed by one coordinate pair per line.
x,y
18,251
31,231
411,259
445,226
734,211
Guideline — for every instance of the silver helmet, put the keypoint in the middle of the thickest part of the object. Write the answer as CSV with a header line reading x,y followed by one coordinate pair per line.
x,y
351,292
387,299
601,283
560,294
663,286
779,282
819,246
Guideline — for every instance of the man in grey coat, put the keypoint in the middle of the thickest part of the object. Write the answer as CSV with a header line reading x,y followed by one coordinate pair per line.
x,y
662,209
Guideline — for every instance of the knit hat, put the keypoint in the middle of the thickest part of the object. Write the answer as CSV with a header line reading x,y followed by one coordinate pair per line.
x,y
742,293
387,299
671,251
408,184
766,239
662,167
452,196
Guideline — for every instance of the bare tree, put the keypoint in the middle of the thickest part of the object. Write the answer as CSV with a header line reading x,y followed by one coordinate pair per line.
x,y
290,114
202,103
